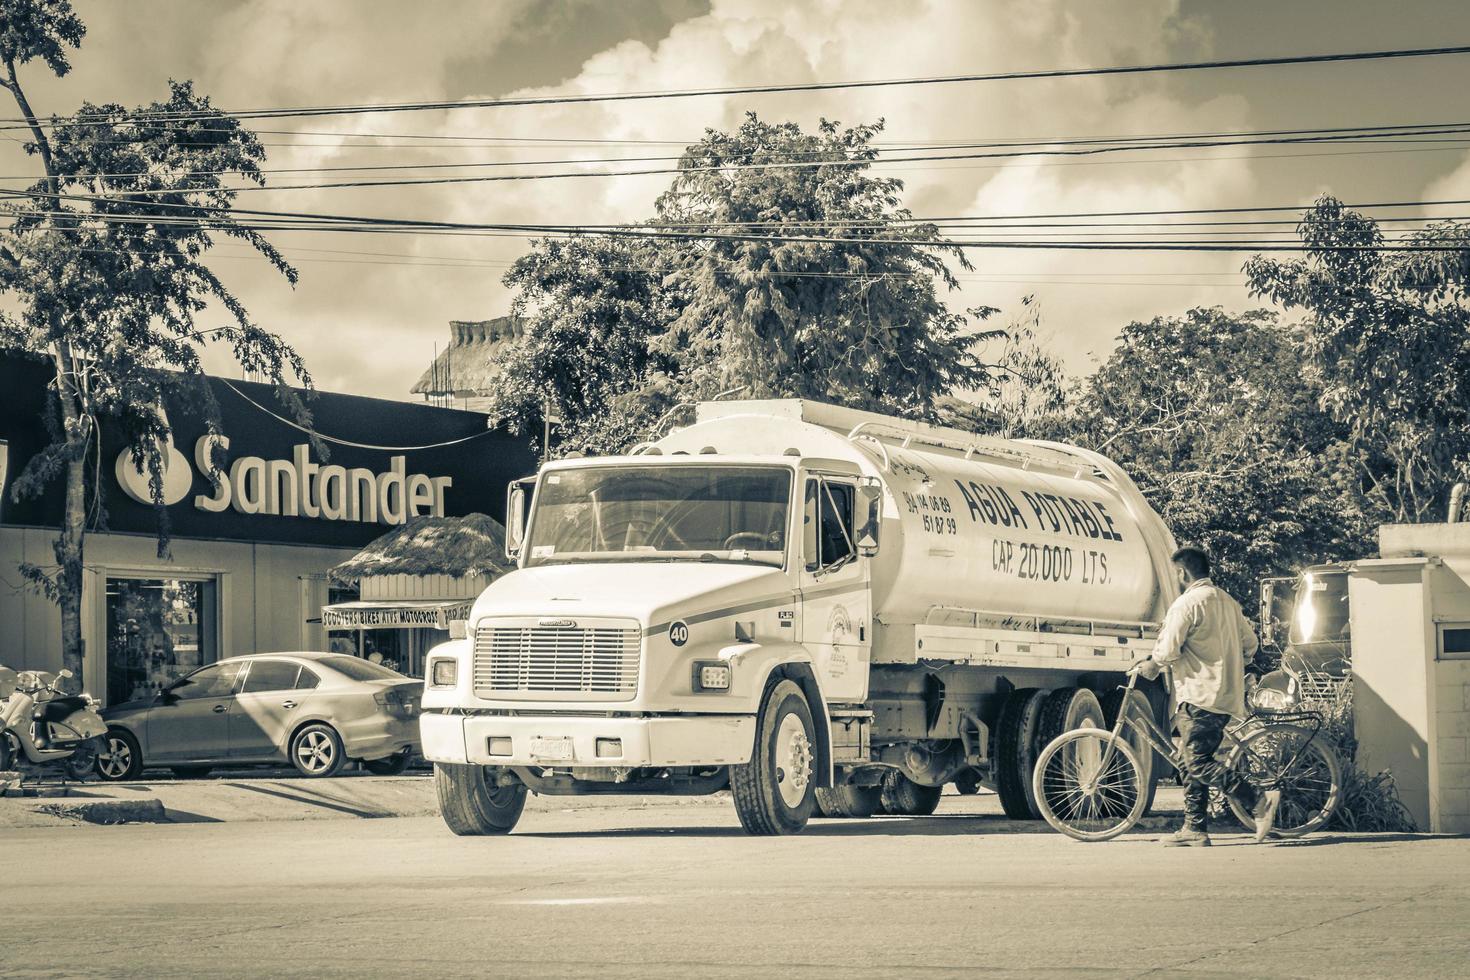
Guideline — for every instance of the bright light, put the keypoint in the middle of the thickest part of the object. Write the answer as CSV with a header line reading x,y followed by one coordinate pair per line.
x,y
713,677
1306,610
444,673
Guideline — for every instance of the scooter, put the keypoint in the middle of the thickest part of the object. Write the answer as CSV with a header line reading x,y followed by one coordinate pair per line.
x,y
41,726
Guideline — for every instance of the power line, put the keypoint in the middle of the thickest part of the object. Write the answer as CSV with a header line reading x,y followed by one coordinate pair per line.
x,y
347,442
592,226
1085,147
722,168
337,110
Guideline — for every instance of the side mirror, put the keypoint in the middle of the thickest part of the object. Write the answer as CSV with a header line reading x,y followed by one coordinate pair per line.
x,y
517,508
1268,611
870,509
459,629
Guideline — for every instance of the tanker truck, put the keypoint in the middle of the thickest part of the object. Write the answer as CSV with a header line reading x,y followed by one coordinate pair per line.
x,y
820,609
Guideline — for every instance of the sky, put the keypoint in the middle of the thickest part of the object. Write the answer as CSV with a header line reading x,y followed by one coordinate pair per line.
x,y
370,323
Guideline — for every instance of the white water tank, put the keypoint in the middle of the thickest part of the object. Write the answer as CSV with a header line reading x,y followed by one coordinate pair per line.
x,y
971,523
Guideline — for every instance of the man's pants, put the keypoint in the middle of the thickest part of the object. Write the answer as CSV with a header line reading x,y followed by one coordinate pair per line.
x,y
1202,732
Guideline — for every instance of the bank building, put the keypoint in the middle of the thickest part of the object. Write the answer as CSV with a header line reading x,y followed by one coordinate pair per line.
x,y
272,537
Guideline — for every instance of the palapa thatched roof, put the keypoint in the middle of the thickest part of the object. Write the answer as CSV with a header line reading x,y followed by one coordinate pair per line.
x,y
458,546
471,362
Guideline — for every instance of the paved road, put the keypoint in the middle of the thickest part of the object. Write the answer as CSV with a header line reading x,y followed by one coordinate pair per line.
x,y
676,890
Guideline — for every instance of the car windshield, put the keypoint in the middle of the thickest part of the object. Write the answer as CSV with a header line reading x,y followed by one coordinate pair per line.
x,y
661,512
361,670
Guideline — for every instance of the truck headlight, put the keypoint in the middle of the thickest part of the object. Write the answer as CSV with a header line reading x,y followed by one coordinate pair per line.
x,y
444,673
711,675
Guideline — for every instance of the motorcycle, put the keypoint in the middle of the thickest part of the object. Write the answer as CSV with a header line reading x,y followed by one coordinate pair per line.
x,y
42,726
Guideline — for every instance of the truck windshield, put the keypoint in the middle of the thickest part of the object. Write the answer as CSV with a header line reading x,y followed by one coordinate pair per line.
x,y
653,512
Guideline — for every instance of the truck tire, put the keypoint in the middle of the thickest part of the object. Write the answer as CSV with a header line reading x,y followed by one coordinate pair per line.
x,y
472,805
1063,710
775,792
1148,760
849,801
903,797
1015,756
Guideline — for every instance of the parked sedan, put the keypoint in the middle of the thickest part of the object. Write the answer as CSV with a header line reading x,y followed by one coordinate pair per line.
x,y
315,710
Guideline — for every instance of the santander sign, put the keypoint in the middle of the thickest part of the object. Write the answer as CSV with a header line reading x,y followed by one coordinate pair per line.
x,y
295,487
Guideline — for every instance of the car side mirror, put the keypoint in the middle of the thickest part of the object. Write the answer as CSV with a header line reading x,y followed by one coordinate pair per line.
x,y
870,498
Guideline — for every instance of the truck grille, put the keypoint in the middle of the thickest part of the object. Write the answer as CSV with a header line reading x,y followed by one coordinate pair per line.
x,y
528,661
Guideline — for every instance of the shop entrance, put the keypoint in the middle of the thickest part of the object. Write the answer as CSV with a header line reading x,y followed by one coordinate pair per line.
x,y
158,629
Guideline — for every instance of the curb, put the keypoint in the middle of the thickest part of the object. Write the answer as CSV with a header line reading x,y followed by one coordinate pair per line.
x,y
107,811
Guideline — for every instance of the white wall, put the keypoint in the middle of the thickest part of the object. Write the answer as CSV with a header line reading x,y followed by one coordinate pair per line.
x,y
1392,653
262,602
1412,703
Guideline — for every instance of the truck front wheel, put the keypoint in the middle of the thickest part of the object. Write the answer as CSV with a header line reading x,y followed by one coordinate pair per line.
x,y
473,804
775,791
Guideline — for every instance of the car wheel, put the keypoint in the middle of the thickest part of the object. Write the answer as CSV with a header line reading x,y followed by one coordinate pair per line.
x,y
316,751
121,758
392,765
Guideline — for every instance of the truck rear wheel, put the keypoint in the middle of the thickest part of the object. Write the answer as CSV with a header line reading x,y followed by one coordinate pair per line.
x,y
903,797
849,801
1063,710
775,791
1015,754
1148,762
471,802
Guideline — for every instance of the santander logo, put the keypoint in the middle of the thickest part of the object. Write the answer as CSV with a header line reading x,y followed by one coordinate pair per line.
x,y
177,476
295,487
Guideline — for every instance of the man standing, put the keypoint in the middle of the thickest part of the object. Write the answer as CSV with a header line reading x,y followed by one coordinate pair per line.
x,y
1205,643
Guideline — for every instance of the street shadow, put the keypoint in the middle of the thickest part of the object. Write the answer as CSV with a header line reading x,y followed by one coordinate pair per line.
x,y
184,816
1365,838
933,826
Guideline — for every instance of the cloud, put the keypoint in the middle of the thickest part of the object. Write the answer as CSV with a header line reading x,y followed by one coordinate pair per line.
x,y
369,323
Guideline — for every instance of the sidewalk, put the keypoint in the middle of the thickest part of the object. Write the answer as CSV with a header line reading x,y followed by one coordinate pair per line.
x,y
248,797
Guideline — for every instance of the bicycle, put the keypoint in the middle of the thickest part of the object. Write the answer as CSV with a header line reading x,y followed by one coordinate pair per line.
x,y
1091,785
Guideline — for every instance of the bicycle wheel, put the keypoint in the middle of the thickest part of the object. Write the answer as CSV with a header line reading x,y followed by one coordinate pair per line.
x,y
1086,790
1311,788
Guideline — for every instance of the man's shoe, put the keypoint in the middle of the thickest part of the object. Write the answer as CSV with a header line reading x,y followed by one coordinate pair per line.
x,y
1265,813
1184,837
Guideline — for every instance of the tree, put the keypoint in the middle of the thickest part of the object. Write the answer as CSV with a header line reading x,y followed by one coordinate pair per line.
x,y
1388,344
1028,395
851,313
710,296
591,308
103,258
1208,413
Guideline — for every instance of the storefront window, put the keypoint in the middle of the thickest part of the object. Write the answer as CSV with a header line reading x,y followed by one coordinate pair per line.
x,y
158,630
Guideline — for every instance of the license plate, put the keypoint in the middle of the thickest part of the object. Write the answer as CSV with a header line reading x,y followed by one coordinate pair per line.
x,y
552,749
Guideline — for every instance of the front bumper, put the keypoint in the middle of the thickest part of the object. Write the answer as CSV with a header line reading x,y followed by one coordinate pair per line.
x,y
680,740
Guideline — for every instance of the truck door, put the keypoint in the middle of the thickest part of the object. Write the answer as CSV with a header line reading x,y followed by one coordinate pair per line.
x,y
835,625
